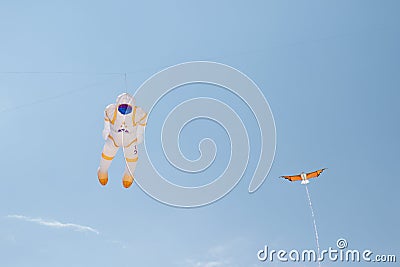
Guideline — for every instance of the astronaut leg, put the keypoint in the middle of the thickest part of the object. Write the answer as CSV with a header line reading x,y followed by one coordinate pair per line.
x,y
131,158
108,154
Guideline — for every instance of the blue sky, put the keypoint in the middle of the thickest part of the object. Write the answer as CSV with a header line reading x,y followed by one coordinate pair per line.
x,y
329,70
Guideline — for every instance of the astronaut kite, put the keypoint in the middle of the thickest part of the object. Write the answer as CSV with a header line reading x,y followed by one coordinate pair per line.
x,y
303,177
123,127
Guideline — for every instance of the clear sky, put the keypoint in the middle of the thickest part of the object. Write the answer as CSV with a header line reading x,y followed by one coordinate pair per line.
x,y
329,70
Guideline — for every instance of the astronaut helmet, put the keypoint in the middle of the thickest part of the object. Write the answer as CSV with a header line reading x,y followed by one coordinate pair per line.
x,y
125,102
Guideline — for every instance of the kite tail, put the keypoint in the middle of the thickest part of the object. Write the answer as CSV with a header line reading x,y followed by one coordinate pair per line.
x,y
315,224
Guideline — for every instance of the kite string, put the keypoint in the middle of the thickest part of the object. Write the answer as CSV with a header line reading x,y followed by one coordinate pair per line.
x,y
315,224
126,83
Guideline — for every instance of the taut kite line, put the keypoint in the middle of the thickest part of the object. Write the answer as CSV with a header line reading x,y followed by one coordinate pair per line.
x,y
304,178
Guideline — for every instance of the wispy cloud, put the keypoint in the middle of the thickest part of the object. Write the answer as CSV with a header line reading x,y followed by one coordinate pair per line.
x,y
215,257
54,224
218,251
212,263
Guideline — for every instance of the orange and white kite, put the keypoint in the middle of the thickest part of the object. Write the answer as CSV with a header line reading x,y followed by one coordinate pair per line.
x,y
303,177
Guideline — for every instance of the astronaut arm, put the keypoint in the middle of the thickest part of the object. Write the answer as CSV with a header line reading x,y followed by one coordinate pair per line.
x,y
140,120
107,127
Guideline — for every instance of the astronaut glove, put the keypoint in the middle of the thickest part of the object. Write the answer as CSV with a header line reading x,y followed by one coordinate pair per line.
x,y
106,130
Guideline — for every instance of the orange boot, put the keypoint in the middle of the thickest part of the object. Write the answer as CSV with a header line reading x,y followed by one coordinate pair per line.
x,y
127,180
103,177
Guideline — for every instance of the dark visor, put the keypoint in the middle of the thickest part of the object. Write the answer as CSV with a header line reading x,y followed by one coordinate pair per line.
x,y
125,109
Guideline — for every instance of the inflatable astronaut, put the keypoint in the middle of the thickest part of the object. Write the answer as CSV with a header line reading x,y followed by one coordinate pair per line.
x,y
123,127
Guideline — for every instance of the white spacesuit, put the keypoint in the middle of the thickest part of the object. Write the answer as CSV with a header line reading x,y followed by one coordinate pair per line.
x,y
123,127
